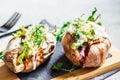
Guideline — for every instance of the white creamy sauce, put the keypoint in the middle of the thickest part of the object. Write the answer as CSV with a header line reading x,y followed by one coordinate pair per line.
x,y
47,44
45,47
99,30
50,37
70,29
83,37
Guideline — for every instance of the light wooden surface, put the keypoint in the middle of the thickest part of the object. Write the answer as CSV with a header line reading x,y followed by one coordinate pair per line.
x,y
5,73
87,73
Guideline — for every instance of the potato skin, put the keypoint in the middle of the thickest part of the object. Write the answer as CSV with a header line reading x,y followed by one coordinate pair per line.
x,y
96,56
13,50
10,59
72,55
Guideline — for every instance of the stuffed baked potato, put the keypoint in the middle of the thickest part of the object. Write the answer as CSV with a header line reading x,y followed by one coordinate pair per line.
x,y
29,48
86,43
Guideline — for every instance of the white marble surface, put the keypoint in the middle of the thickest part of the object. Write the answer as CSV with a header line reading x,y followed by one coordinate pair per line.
x,y
59,11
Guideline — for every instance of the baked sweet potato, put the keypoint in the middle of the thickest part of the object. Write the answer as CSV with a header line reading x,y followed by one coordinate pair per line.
x,y
29,48
86,44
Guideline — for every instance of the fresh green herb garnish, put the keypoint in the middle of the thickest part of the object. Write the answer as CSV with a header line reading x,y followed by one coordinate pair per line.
x,y
59,66
92,38
77,37
59,35
81,34
84,33
78,44
38,35
74,46
99,23
92,32
1,55
91,17
24,52
33,38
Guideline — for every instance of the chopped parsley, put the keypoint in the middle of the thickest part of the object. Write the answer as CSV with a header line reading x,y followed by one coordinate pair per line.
x,y
59,34
59,66
37,36
1,55
91,17
99,23
33,38
24,52
92,32
78,44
